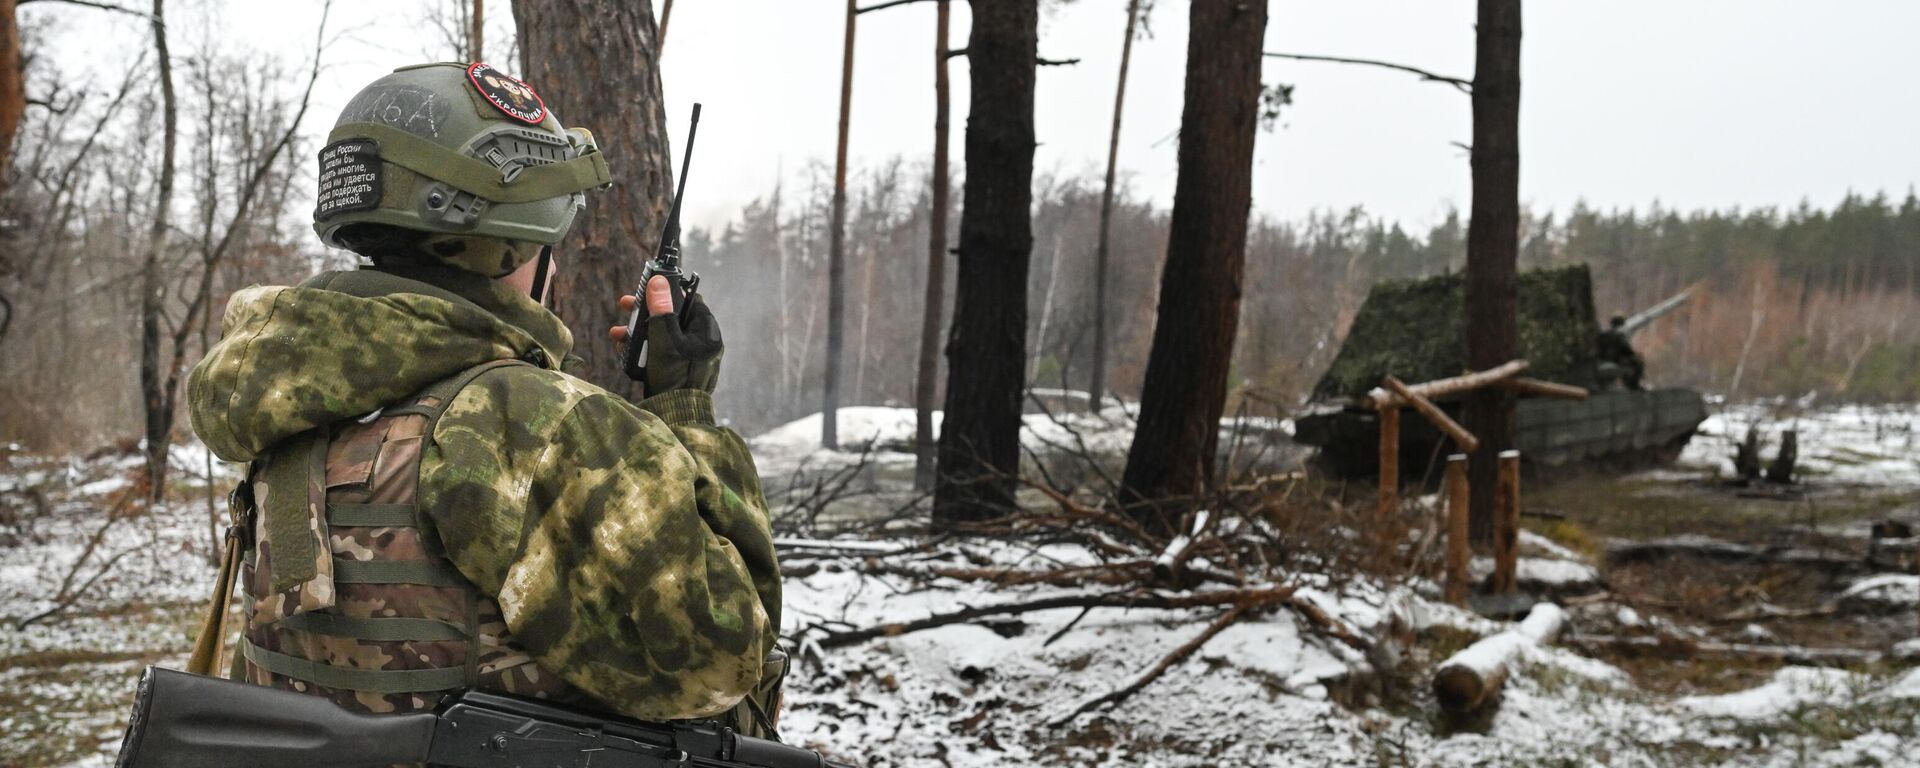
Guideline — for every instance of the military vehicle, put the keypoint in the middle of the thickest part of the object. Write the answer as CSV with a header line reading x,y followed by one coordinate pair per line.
x,y
1412,329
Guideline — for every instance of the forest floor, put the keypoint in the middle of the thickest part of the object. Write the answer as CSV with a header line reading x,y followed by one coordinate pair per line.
x,y
1776,577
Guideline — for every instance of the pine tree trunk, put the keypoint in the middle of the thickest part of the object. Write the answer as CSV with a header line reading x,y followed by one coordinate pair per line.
x,y
1493,248
594,63
153,384
927,385
837,251
1193,337
13,84
1097,385
986,348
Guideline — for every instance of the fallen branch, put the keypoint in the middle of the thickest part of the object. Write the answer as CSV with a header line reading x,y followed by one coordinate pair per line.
x,y
1525,386
1473,678
1179,654
1136,599
1681,648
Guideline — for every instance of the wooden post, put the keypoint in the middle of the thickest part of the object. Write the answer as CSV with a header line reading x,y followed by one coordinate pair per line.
x,y
1459,549
1389,462
1506,523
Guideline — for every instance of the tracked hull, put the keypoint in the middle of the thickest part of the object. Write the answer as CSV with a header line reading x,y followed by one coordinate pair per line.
x,y
1611,427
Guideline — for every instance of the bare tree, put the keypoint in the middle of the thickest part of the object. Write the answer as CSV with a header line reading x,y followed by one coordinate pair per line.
x,y
986,355
1493,248
576,52
1193,337
155,398
836,249
243,125
1097,385
927,385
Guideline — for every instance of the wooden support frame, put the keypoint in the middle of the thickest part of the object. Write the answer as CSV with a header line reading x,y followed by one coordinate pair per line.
x,y
1438,388
1440,419
1459,549
1506,525
1389,462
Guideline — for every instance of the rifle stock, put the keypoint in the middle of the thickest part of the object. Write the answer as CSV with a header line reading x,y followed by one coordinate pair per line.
x,y
181,720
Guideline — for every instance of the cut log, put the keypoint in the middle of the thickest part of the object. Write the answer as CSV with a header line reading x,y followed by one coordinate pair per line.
x,y
1459,548
1782,469
1439,388
1472,679
1389,462
1506,524
1441,421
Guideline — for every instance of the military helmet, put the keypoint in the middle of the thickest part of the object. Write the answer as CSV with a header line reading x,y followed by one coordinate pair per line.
x,y
459,151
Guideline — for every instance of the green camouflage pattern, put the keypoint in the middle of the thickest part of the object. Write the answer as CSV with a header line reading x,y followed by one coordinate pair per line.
x,y
377,463
1412,329
628,546
488,256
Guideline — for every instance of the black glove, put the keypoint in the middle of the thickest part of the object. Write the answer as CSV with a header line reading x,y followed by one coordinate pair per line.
x,y
684,358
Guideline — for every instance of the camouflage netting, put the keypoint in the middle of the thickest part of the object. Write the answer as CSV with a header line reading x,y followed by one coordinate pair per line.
x,y
1413,329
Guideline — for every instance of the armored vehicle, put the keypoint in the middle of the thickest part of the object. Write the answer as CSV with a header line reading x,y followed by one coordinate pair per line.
x,y
1412,329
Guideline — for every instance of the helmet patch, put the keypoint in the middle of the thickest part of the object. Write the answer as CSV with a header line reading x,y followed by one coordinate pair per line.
x,y
350,178
513,97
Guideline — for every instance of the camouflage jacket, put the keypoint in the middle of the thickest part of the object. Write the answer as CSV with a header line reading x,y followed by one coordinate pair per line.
x,y
628,547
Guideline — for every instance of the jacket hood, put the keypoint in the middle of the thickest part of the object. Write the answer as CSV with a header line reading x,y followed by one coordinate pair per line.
x,y
345,344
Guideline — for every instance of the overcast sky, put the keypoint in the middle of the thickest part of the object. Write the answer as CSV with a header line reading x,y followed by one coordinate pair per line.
x,y
1693,103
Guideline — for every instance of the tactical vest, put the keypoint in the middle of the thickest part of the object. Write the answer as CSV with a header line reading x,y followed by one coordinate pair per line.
x,y
349,596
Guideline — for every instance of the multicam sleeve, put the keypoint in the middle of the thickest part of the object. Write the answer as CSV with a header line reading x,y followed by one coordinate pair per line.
x,y
645,578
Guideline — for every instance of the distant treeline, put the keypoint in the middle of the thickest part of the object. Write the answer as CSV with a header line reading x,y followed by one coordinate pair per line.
x,y
1786,302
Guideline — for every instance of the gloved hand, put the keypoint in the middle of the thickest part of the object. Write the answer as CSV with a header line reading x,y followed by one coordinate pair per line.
x,y
680,357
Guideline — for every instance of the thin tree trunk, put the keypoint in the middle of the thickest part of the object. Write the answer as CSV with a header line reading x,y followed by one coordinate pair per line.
x,y
836,251
576,53
476,41
980,439
1493,248
926,385
1046,312
666,14
1097,385
159,417
1199,312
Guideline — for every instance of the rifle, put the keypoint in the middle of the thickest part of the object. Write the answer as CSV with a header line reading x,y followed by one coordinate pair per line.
x,y
181,720
665,263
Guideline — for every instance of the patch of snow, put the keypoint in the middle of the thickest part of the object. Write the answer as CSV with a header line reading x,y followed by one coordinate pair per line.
x,y
1885,591
1791,688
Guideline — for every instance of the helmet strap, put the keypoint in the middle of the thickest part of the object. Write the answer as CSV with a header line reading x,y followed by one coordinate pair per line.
x,y
540,275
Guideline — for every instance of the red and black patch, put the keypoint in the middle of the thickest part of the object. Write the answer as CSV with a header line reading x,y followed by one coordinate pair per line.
x,y
513,97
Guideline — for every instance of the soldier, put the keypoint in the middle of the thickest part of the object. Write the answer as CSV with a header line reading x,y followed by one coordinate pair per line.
x,y
432,503
1616,348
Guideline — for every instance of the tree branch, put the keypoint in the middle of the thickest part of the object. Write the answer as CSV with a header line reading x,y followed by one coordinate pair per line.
x,y
1460,84
1057,62
97,5
886,5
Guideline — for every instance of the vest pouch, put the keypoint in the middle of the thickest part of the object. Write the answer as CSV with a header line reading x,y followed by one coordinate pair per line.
x,y
293,555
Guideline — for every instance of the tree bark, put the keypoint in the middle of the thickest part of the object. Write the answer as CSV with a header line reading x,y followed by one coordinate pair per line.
x,y
13,85
595,64
986,348
477,38
1493,248
837,251
1193,336
927,386
1097,384
159,414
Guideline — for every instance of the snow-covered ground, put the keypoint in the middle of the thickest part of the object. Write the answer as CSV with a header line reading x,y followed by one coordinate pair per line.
x,y
1269,690
1847,445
